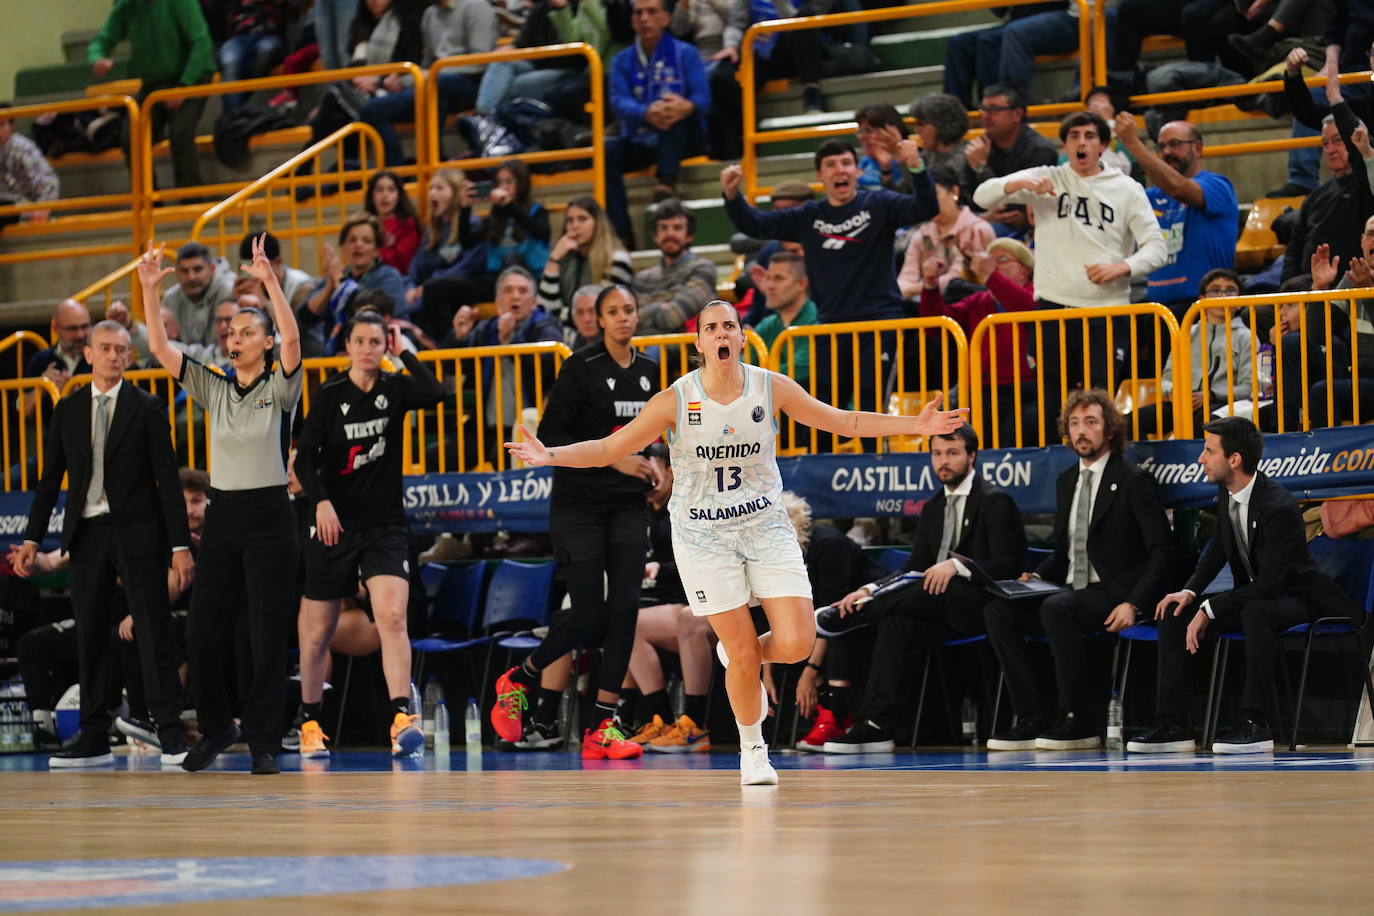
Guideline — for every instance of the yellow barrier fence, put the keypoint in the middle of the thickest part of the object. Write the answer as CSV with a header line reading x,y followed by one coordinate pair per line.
x,y
153,198
103,290
1084,344
27,407
1317,368
432,157
269,203
753,137
95,214
675,353
20,342
897,363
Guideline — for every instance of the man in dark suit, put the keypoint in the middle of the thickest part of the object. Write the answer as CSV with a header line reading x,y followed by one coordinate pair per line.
x,y
967,516
1260,532
124,513
1112,550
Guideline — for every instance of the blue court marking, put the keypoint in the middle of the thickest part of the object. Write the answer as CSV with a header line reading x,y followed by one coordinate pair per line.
x,y
1337,760
79,884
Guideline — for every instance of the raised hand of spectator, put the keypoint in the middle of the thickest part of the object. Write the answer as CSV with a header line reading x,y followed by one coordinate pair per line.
x,y
1124,127
463,320
1324,267
976,152
1360,138
982,266
505,326
1043,185
1106,273
1360,272
1294,61
102,66
909,151
730,178
1333,86
499,197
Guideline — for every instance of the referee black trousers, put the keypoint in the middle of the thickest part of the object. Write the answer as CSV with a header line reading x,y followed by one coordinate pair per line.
x,y
248,549
100,555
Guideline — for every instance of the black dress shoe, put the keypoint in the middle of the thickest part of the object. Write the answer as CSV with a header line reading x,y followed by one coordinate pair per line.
x,y
1250,738
82,750
1070,733
1020,737
265,763
829,622
172,740
863,737
1166,737
208,748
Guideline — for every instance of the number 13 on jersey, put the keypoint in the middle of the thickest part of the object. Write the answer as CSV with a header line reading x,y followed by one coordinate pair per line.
x,y
732,473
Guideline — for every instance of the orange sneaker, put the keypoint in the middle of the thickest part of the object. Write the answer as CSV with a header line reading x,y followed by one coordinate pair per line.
x,y
406,736
609,742
649,731
511,703
312,740
682,737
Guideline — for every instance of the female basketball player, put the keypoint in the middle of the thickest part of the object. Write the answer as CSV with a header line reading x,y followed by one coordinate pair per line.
x,y
731,535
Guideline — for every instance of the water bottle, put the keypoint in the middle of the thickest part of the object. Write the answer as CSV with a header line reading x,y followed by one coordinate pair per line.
x,y
1114,738
472,728
442,747
968,715
1265,372
433,696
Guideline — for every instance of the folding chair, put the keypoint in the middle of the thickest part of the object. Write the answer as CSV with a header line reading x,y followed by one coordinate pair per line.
x,y
518,593
455,599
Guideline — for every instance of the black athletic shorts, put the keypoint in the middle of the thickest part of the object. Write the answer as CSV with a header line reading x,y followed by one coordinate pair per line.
x,y
581,529
332,573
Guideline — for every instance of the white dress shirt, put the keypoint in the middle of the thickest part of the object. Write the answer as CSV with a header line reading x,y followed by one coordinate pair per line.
x,y
101,506
1242,499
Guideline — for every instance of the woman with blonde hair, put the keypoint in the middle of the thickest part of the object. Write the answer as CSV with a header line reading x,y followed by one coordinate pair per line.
x,y
588,251
441,254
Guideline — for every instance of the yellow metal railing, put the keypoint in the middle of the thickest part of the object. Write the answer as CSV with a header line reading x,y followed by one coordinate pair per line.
x,y
152,198
23,430
1314,380
676,355
95,213
911,344
753,137
17,342
104,288
432,158
1162,334
269,202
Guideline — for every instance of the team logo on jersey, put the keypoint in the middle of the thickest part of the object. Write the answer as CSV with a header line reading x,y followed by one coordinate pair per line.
x,y
610,382
381,402
701,596
693,413
757,415
262,404
343,408
728,430
644,382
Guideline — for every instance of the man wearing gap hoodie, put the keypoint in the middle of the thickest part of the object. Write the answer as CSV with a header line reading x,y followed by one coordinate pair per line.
x,y
847,238
1101,230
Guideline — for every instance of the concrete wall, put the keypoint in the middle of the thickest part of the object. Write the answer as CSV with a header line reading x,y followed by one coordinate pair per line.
x,y
32,36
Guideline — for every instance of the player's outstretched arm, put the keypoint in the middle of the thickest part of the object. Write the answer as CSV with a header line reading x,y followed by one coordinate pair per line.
x,y
802,407
657,415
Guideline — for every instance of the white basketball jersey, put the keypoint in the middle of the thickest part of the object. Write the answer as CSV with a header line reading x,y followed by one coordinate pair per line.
x,y
725,469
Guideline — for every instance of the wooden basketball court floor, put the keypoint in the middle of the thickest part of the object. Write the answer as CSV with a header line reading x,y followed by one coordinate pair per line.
x,y
955,832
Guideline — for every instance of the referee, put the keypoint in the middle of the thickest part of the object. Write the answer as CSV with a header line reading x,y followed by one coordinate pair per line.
x,y
599,523
348,460
248,546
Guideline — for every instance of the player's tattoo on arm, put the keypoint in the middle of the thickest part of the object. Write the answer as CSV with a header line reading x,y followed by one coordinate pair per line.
x,y
854,421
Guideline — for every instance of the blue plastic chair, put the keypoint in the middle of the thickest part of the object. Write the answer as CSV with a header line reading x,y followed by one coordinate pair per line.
x,y
519,593
455,603
892,559
925,677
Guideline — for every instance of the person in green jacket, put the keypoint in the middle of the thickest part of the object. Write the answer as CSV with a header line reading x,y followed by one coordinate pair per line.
x,y
170,46
789,300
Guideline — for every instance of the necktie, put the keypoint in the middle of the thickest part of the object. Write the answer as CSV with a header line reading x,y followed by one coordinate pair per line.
x,y
1082,516
949,535
1242,542
102,424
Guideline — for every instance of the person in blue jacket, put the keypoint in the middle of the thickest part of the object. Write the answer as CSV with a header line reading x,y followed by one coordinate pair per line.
x,y
660,95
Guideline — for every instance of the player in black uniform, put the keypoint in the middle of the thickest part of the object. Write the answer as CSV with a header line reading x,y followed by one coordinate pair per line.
x,y
349,462
598,521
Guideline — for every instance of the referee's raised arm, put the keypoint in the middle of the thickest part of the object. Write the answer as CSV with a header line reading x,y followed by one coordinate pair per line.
x,y
289,349
150,274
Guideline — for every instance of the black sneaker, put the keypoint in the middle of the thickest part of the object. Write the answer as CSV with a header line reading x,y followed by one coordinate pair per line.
x,y
1289,189
265,764
207,749
1250,738
1020,737
829,622
1070,733
863,737
141,729
1166,737
540,737
812,100
82,751
174,747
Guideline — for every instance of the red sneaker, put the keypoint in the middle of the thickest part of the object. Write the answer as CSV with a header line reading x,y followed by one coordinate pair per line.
x,y
609,742
511,703
824,729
